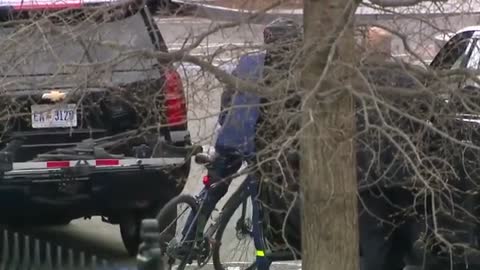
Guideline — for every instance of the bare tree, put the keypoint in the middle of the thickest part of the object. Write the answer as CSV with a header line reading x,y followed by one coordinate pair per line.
x,y
328,178
329,77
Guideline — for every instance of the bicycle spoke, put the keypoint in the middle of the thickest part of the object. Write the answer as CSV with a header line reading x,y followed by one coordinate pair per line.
x,y
237,245
174,221
177,252
240,252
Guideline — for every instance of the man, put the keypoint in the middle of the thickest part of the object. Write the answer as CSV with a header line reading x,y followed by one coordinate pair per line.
x,y
387,228
276,141
238,120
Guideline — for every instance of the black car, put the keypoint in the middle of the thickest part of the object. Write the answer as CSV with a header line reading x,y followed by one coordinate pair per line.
x,y
92,122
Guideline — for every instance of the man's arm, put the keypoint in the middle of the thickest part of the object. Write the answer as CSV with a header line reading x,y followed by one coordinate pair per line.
x,y
246,69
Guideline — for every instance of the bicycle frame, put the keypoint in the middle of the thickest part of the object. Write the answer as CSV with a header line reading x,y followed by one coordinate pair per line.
x,y
249,189
264,256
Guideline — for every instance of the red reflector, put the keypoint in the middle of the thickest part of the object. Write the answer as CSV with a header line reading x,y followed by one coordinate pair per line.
x,y
107,162
58,164
206,180
175,99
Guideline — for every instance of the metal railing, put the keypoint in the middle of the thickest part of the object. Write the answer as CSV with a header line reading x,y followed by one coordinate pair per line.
x,y
22,252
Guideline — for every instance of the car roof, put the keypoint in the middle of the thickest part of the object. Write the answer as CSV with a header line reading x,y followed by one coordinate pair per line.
x,y
469,28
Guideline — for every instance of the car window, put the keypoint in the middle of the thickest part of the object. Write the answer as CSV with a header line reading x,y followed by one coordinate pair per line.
x,y
76,51
454,53
474,62
459,62
474,59
459,55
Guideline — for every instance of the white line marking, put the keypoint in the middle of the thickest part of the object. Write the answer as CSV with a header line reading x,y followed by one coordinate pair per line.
x,y
237,45
182,20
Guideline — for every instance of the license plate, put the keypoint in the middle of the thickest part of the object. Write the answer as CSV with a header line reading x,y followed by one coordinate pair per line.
x,y
54,116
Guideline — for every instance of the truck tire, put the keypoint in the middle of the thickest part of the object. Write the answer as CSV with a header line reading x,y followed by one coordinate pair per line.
x,y
130,232
130,226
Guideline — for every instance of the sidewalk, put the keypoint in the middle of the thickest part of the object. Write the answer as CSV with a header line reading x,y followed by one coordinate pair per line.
x,y
253,5
241,9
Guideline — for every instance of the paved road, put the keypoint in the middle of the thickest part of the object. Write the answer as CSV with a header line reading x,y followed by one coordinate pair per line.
x,y
95,237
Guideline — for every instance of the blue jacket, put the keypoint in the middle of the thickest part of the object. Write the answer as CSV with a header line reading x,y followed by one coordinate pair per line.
x,y
240,110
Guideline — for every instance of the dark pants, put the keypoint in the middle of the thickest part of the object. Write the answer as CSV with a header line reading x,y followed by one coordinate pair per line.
x,y
227,163
387,233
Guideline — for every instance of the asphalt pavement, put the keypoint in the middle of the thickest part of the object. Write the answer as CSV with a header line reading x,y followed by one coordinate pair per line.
x,y
96,237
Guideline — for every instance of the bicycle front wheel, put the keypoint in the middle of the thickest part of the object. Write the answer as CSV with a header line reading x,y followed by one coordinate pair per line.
x,y
234,245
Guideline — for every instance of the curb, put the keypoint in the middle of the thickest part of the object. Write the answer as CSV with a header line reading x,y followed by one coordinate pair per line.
x,y
239,15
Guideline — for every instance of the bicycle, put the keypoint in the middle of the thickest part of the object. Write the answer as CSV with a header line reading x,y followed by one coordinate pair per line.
x,y
207,243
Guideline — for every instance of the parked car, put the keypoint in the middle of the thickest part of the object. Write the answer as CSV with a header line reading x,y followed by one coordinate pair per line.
x,y
92,124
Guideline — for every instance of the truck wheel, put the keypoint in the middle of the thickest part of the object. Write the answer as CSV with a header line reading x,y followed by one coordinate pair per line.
x,y
130,226
130,232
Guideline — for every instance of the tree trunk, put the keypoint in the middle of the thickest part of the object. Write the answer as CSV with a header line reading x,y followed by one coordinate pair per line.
x,y
328,167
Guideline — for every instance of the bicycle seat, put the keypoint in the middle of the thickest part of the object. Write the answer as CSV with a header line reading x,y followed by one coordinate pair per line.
x,y
204,158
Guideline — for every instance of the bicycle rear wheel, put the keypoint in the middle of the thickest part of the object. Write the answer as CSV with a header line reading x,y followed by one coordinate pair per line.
x,y
235,224
171,220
